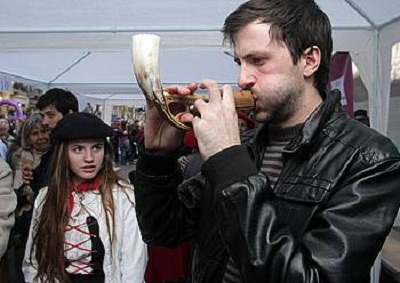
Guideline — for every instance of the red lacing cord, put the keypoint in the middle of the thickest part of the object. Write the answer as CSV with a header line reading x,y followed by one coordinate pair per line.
x,y
83,261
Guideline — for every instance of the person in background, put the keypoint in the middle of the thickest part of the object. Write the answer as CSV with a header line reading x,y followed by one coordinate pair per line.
x,y
361,116
245,122
311,198
34,143
139,136
3,150
5,135
247,127
116,126
132,141
12,155
8,203
5,138
190,159
88,210
124,146
53,106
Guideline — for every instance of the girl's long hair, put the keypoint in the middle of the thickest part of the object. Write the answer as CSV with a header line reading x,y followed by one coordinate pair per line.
x,y
48,237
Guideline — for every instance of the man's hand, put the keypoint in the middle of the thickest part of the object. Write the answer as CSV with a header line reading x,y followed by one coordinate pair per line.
x,y
160,136
27,173
216,128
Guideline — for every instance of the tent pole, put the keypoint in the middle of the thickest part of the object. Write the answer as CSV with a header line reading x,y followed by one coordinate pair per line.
x,y
374,104
69,67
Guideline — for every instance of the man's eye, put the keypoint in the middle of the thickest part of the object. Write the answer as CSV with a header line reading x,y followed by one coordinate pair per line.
x,y
257,61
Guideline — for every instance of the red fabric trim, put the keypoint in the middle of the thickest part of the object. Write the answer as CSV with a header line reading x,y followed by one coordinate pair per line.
x,y
83,261
92,185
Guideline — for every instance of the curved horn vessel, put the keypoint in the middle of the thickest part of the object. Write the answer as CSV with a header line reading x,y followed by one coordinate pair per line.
x,y
145,59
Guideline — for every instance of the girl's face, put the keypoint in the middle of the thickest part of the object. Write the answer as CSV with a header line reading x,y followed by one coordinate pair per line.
x,y
86,158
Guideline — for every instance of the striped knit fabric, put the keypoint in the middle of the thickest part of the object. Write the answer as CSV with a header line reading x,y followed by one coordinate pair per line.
x,y
271,166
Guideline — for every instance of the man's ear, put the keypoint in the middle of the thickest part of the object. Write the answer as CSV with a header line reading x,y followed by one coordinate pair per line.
x,y
311,58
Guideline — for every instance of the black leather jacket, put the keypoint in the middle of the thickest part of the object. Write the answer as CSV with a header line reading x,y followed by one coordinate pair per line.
x,y
325,220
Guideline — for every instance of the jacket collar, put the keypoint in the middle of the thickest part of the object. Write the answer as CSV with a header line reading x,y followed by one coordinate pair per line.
x,y
315,122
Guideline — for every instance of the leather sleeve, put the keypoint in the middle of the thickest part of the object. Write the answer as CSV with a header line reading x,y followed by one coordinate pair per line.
x,y
166,217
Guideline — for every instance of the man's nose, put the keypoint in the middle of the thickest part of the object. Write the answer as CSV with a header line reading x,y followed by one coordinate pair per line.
x,y
45,121
246,79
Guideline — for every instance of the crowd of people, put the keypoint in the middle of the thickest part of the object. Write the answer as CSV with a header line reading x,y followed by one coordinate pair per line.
x,y
126,139
294,191
75,218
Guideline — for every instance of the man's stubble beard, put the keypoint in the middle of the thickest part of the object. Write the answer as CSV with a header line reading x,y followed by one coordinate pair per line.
x,y
285,102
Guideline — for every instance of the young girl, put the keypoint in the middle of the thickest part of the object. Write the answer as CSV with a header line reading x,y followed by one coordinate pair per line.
x,y
84,226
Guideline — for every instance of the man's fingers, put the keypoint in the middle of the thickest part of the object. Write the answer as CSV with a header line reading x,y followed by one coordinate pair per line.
x,y
172,89
182,90
185,117
199,105
213,90
227,96
193,87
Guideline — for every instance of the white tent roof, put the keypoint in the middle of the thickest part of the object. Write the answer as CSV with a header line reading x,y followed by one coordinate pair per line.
x,y
85,45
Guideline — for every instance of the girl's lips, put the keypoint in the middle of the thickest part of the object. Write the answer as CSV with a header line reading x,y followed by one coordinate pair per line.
x,y
89,168
89,171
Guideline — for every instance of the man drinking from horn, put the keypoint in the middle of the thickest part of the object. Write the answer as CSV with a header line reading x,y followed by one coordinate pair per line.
x,y
310,199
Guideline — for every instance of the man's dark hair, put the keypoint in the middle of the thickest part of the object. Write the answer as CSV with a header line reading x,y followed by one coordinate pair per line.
x,y
300,24
64,101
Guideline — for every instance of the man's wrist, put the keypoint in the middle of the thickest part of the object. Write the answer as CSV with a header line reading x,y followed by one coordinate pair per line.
x,y
157,164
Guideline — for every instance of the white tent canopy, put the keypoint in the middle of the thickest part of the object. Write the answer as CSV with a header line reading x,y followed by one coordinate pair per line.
x,y
85,45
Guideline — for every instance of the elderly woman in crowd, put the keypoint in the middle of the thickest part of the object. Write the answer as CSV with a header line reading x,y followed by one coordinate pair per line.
x,y
34,142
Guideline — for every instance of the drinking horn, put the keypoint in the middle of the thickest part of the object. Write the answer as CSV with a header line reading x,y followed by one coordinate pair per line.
x,y
145,59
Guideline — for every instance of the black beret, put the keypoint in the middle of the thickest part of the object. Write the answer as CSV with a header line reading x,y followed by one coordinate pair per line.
x,y
81,125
